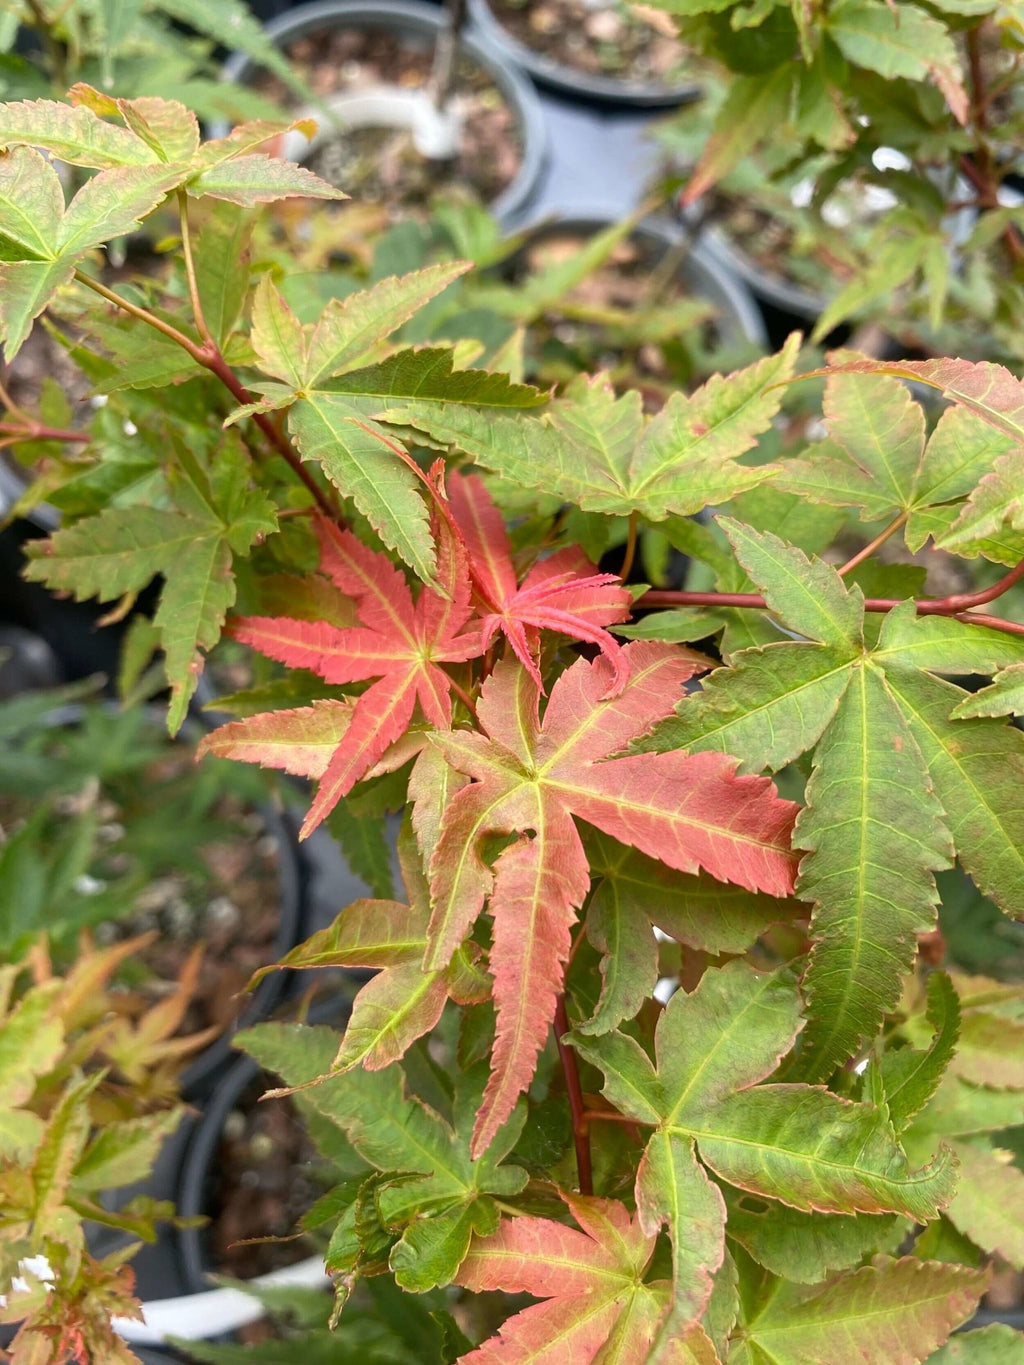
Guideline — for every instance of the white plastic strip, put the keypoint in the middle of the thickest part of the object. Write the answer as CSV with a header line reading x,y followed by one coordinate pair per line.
x,y
196,1317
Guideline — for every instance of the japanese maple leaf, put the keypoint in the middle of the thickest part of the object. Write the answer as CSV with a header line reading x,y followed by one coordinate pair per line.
x,y
562,593
591,1282
689,811
401,643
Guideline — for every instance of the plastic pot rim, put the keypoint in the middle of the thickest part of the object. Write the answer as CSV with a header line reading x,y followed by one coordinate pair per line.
x,y
579,85
427,19
740,314
777,289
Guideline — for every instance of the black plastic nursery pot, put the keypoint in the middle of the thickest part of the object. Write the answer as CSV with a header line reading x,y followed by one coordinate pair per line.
x,y
786,299
576,83
737,319
386,104
81,642
210,1188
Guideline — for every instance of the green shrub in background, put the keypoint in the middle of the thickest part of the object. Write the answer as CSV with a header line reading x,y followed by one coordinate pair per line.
x,y
808,94
139,47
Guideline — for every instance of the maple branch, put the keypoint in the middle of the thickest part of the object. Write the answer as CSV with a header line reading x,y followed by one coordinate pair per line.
x,y
957,604
979,165
143,315
607,1116
980,618
464,697
217,365
574,1091
38,431
630,554
209,356
873,545
963,601
190,273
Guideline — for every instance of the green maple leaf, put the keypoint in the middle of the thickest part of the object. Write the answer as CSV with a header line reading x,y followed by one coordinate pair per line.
x,y
443,1195
896,785
631,893
192,543
896,1311
973,457
876,458
1005,696
42,240
805,1247
910,1077
341,386
997,1344
958,1106
800,1145
910,44
600,453
159,132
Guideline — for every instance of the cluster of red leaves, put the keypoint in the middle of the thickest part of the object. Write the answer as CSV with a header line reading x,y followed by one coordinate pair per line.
x,y
402,643
518,776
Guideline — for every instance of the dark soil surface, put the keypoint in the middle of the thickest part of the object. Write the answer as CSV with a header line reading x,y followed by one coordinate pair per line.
x,y
599,38
261,1181
42,358
381,164
771,242
635,315
234,917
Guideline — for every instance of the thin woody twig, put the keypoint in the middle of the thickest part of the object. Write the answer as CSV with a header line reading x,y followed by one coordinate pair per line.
x,y
574,1091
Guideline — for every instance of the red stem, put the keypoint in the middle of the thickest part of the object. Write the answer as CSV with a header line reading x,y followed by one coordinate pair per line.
x,y
956,604
209,356
979,165
216,364
571,1071
38,431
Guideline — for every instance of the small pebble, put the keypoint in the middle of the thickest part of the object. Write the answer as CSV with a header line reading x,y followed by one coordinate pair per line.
x,y
234,1125
605,26
88,886
180,918
261,1148
158,894
221,913
543,20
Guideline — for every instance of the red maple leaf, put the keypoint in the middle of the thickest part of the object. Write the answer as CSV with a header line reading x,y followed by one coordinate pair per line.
x,y
689,811
401,643
563,593
591,1282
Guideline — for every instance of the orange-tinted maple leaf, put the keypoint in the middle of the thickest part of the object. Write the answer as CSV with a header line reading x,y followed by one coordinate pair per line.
x,y
591,1283
401,643
530,780
563,593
